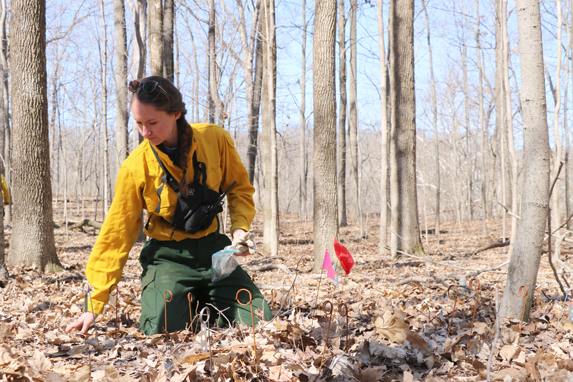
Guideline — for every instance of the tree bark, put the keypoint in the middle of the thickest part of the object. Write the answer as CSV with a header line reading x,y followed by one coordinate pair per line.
x,y
139,10
435,125
32,241
483,127
247,63
213,75
353,116
4,120
270,83
509,121
384,132
324,146
168,30
556,196
524,263
341,143
302,144
121,106
106,193
405,228
156,37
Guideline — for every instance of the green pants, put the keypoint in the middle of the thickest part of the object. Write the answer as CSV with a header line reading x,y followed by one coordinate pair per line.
x,y
185,267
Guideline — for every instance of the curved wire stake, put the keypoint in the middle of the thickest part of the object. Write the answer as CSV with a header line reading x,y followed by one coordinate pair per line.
x,y
273,295
165,303
86,306
190,298
206,333
455,298
343,312
523,313
329,314
115,302
252,318
476,288
293,297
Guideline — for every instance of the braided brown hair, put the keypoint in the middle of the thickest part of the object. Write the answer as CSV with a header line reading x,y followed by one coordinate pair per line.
x,y
166,97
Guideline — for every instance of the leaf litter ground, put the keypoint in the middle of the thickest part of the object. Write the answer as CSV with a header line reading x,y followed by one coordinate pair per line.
x,y
399,314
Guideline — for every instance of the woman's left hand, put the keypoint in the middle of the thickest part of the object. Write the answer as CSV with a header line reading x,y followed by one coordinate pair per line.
x,y
244,241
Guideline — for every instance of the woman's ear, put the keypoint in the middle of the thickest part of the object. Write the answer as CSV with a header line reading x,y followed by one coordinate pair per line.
x,y
177,115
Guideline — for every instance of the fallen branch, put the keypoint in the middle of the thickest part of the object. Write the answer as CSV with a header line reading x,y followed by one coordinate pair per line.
x,y
270,267
88,222
490,246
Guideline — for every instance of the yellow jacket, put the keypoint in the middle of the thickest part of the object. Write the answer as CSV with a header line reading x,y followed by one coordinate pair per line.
x,y
136,188
5,191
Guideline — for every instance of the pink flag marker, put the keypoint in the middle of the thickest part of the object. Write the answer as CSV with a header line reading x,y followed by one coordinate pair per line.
x,y
327,264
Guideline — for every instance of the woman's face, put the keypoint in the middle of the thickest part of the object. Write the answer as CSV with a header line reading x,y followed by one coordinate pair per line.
x,y
154,125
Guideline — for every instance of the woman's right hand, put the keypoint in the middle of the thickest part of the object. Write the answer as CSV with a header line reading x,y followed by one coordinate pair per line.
x,y
83,322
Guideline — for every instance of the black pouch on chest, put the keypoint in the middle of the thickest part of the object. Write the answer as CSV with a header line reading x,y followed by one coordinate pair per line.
x,y
190,211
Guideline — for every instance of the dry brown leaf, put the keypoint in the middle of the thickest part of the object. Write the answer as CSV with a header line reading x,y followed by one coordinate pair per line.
x,y
81,374
566,364
419,343
392,327
53,377
39,362
509,352
5,356
277,373
407,377
531,368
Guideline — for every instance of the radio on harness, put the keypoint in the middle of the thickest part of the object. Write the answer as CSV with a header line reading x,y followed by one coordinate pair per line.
x,y
196,211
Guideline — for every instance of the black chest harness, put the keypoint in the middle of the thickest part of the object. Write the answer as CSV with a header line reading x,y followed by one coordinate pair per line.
x,y
196,211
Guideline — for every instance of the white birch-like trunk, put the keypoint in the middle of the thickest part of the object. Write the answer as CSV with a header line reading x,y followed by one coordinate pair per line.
x,y
104,117
509,121
384,132
524,263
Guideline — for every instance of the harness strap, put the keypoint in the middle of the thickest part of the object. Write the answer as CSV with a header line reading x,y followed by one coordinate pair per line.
x,y
200,170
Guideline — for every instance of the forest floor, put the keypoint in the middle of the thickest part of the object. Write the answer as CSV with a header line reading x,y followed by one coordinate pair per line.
x,y
398,319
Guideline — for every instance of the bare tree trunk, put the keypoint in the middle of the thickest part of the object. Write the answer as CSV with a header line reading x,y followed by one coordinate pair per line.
x,y
247,64
213,77
569,26
272,175
524,263
4,121
104,118
469,173
139,10
122,114
435,124
302,144
384,132
168,28
509,121
556,196
405,228
32,239
341,143
156,37
483,126
500,141
324,147
353,115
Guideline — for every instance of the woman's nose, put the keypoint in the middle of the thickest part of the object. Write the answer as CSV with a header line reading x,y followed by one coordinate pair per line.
x,y
145,131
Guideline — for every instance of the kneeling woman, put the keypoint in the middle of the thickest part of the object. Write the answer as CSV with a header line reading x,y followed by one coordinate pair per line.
x,y
173,259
